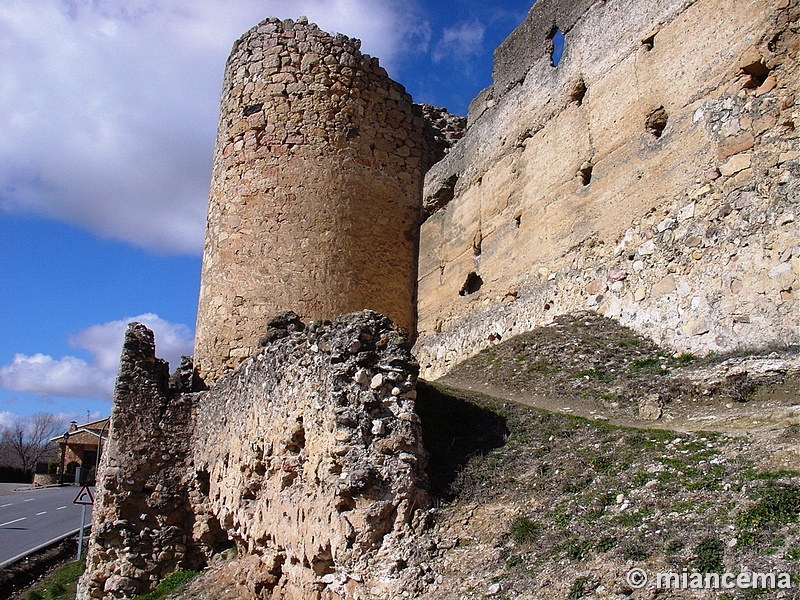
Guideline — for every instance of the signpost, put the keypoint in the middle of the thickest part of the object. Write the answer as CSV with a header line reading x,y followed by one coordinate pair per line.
x,y
84,498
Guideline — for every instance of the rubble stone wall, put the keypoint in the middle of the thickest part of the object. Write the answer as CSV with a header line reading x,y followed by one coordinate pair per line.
x,y
308,458
142,523
312,461
653,176
316,190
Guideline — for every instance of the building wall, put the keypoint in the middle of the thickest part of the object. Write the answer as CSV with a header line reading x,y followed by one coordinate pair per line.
x,y
308,458
652,175
315,192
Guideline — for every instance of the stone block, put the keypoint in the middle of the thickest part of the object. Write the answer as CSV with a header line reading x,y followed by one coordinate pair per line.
x,y
735,164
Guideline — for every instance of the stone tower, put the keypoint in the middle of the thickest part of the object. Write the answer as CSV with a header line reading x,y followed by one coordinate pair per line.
x,y
315,192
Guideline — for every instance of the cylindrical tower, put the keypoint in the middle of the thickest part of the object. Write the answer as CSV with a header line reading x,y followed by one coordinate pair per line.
x,y
315,192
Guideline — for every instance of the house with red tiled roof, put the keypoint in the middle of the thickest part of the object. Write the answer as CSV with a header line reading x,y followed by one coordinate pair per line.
x,y
80,448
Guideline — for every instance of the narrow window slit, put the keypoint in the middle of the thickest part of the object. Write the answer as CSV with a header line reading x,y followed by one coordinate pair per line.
x,y
557,40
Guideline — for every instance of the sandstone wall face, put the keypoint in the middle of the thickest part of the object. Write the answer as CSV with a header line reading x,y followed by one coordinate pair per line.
x,y
315,192
652,175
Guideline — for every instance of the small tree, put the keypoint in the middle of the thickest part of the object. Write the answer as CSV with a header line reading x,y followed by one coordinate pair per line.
x,y
26,440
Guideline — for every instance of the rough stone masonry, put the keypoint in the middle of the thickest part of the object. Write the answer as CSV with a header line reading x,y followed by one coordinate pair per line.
x,y
652,175
308,458
316,189
142,524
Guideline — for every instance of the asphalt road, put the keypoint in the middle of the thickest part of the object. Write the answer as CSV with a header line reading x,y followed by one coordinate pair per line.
x,y
31,518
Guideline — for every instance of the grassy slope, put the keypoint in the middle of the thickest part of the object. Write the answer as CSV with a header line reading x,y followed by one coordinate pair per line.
x,y
550,505
567,505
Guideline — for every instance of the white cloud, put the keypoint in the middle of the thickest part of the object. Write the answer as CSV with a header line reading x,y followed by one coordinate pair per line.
x,y
68,376
74,377
109,107
104,342
6,418
460,41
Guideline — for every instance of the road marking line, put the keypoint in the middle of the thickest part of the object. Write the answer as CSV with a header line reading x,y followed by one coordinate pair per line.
x,y
41,513
29,500
4,505
14,559
61,508
14,521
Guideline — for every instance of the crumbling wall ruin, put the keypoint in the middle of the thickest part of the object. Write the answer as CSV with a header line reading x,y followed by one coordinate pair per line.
x,y
311,454
652,175
141,522
308,458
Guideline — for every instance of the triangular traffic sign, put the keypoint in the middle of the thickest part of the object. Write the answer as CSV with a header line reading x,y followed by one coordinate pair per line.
x,y
84,496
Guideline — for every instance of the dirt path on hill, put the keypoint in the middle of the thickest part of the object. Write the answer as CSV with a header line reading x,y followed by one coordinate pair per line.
x,y
589,366
777,405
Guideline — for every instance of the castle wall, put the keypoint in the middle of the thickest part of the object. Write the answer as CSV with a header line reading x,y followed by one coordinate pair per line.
x,y
141,522
315,192
308,458
652,175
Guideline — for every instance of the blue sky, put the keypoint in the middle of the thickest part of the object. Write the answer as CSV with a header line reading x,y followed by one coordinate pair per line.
x,y
108,110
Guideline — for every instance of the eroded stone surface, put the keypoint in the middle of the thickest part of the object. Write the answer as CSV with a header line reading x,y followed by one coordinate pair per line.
x,y
141,523
313,455
673,162
308,458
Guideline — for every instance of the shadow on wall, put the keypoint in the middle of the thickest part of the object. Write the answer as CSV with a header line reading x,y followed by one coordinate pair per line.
x,y
454,431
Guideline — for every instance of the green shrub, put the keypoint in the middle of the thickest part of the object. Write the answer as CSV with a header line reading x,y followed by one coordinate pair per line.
x,y
598,373
708,555
674,547
168,585
524,530
577,549
60,585
55,590
778,504
606,543
647,363
579,588
635,550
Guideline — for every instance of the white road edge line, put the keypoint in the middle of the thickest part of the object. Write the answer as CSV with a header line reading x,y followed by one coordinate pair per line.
x,y
44,512
22,555
61,508
4,505
29,500
14,521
